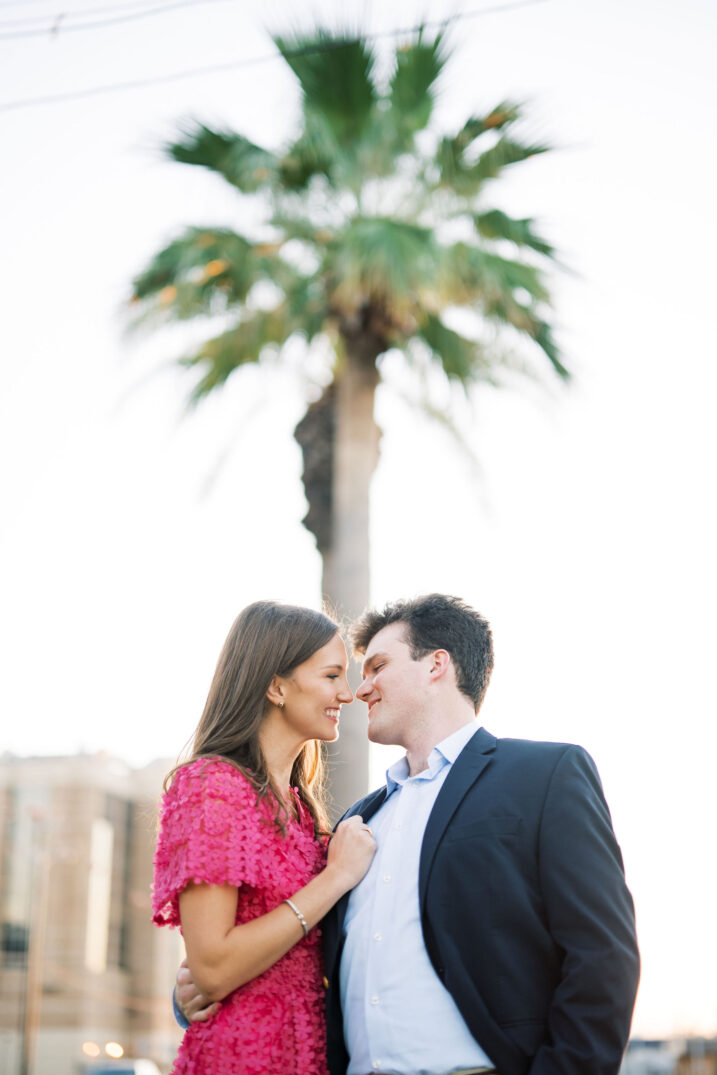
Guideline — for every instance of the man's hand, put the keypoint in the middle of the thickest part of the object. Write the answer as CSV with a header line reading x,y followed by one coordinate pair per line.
x,y
194,1006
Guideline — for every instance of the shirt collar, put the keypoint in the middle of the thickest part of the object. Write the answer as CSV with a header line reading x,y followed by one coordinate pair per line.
x,y
453,744
443,753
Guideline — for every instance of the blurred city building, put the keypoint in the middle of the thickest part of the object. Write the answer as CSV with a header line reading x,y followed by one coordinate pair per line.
x,y
698,1057
84,975
651,1057
673,1056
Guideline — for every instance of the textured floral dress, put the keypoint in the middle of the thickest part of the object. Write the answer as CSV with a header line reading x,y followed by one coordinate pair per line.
x,y
213,831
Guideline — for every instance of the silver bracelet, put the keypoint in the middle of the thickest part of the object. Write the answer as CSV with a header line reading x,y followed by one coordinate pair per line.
x,y
297,912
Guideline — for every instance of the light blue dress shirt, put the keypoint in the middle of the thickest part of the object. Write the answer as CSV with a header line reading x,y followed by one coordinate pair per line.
x,y
399,1019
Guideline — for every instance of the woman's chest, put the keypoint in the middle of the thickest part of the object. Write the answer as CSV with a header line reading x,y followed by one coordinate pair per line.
x,y
288,862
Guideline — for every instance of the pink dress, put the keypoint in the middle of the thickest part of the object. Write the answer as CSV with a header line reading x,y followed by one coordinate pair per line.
x,y
213,831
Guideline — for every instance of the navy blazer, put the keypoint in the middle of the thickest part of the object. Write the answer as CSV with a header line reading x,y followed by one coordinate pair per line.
x,y
525,913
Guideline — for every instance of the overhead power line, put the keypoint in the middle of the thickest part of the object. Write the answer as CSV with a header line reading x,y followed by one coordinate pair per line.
x,y
233,65
105,9
20,3
58,23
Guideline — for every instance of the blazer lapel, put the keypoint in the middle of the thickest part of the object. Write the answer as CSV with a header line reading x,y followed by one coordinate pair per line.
x,y
468,766
367,807
333,924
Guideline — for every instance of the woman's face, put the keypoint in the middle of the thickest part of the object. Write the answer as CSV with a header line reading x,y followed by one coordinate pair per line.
x,y
314,693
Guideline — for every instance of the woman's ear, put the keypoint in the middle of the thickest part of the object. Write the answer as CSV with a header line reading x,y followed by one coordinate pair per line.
x,y
275,693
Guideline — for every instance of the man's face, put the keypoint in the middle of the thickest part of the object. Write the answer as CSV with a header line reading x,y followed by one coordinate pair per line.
x,y
394,687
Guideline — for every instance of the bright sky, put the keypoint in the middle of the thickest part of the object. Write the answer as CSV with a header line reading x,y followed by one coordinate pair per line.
x,y
588,540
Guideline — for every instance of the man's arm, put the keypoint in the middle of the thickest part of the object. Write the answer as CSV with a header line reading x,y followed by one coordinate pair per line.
x,y
591,918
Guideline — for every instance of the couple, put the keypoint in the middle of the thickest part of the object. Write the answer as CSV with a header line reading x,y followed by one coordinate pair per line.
x,y
473,912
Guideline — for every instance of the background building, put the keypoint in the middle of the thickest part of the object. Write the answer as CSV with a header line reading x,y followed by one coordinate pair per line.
x,y
80,962
653,1057
698,1057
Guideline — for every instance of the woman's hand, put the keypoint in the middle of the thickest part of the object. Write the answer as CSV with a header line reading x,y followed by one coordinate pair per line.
x,y
351,851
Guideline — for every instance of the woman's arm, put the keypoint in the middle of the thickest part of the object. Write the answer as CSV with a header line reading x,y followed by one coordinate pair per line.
x,y
222,956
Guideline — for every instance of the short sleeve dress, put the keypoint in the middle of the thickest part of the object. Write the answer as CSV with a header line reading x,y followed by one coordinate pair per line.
x,y
212,830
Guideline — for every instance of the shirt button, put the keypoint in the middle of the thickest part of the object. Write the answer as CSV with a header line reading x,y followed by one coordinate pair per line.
x,y
376,1065
387,878
325,982
377,936
398,825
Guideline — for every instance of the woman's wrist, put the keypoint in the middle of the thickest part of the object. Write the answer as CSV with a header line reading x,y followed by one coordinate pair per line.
x,y
337,879
299,915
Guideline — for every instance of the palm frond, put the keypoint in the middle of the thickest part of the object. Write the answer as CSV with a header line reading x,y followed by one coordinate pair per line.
x,y
220,356
453,159
380,259
419,395
495,224
505,152
504,114
459,168
299,226
307,157
412,90
542,333
504,291
199,253
470,274
460,358
245,165
206,272
306,308
335,73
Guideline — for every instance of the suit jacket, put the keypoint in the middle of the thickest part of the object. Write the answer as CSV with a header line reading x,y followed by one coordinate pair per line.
x,y
525,913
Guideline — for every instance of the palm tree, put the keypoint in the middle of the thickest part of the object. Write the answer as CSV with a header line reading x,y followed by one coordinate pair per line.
x,y
374,231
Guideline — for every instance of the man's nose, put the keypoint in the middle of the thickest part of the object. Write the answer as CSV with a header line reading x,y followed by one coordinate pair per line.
x,y
363,690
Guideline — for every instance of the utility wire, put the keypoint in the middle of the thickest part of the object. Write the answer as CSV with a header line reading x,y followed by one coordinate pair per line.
x,y
20,3
59,24
129,5
197,72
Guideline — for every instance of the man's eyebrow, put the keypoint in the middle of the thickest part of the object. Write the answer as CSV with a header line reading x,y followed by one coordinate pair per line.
x,y
373,658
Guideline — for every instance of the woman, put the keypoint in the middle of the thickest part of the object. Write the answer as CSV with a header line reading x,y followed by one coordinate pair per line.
x,y
241,862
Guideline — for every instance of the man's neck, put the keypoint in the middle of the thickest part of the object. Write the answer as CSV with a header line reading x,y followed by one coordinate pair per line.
x,y
418,753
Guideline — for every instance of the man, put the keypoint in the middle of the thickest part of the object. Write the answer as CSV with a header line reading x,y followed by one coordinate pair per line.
x,y
494,930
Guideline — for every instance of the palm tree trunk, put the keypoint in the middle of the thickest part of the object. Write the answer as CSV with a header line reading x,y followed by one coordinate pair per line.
x,y
339,440
346,576
345,580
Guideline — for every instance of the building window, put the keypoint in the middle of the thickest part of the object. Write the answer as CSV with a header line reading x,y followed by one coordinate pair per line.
x,y
99,891
26,810
14,943
119,813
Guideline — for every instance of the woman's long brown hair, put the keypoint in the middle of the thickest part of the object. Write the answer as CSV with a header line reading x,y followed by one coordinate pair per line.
x,y
267,639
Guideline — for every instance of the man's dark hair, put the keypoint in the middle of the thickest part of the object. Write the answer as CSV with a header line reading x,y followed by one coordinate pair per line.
x,y
437,621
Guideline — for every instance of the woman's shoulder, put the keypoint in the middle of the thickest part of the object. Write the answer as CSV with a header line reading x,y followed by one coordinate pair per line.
x,y
211,776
